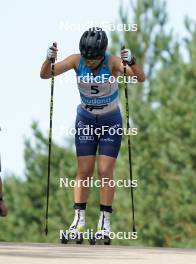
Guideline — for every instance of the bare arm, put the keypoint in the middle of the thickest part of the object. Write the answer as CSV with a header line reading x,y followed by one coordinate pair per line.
x,y
134,70
60,67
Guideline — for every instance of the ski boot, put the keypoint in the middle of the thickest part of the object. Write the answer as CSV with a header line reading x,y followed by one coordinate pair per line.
x,y
103,230
75,231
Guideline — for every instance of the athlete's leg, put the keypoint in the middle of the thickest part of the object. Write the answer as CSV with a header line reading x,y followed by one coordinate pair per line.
x,y
105,171
86,146
84,171
109,146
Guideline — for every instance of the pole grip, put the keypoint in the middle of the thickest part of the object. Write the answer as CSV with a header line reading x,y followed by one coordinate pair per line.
x,y
54,44
124,62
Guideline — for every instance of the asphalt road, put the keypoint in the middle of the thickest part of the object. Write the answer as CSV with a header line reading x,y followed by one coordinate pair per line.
x,y
20,253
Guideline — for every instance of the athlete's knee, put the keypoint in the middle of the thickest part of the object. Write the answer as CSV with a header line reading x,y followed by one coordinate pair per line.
x,y
104,172
84,173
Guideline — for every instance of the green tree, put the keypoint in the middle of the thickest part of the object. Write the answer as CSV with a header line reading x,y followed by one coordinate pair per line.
x,y
163,110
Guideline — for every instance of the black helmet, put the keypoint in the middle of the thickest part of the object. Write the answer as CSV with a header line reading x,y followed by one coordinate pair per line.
x,y
93,43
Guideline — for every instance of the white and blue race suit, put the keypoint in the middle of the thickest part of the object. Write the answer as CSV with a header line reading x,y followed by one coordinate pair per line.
x,y
99,121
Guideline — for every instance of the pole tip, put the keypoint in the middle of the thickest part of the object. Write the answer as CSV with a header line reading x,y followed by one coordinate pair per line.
x,y
46,231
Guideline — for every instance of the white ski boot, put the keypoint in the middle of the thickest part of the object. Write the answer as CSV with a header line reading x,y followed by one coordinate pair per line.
x,y
76,229
103,230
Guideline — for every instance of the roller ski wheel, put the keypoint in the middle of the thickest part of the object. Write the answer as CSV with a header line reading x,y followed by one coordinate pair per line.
x,y
100,239
103,239
64,240
107,241
92,241
72,237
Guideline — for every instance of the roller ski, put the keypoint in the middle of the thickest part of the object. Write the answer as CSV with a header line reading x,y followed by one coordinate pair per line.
x,y
102,236
76,230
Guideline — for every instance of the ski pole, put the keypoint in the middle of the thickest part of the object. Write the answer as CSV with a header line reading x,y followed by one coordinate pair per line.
x,y
50,141
129,142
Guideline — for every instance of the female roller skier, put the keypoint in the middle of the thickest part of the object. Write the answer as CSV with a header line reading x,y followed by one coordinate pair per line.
x,y
98,108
